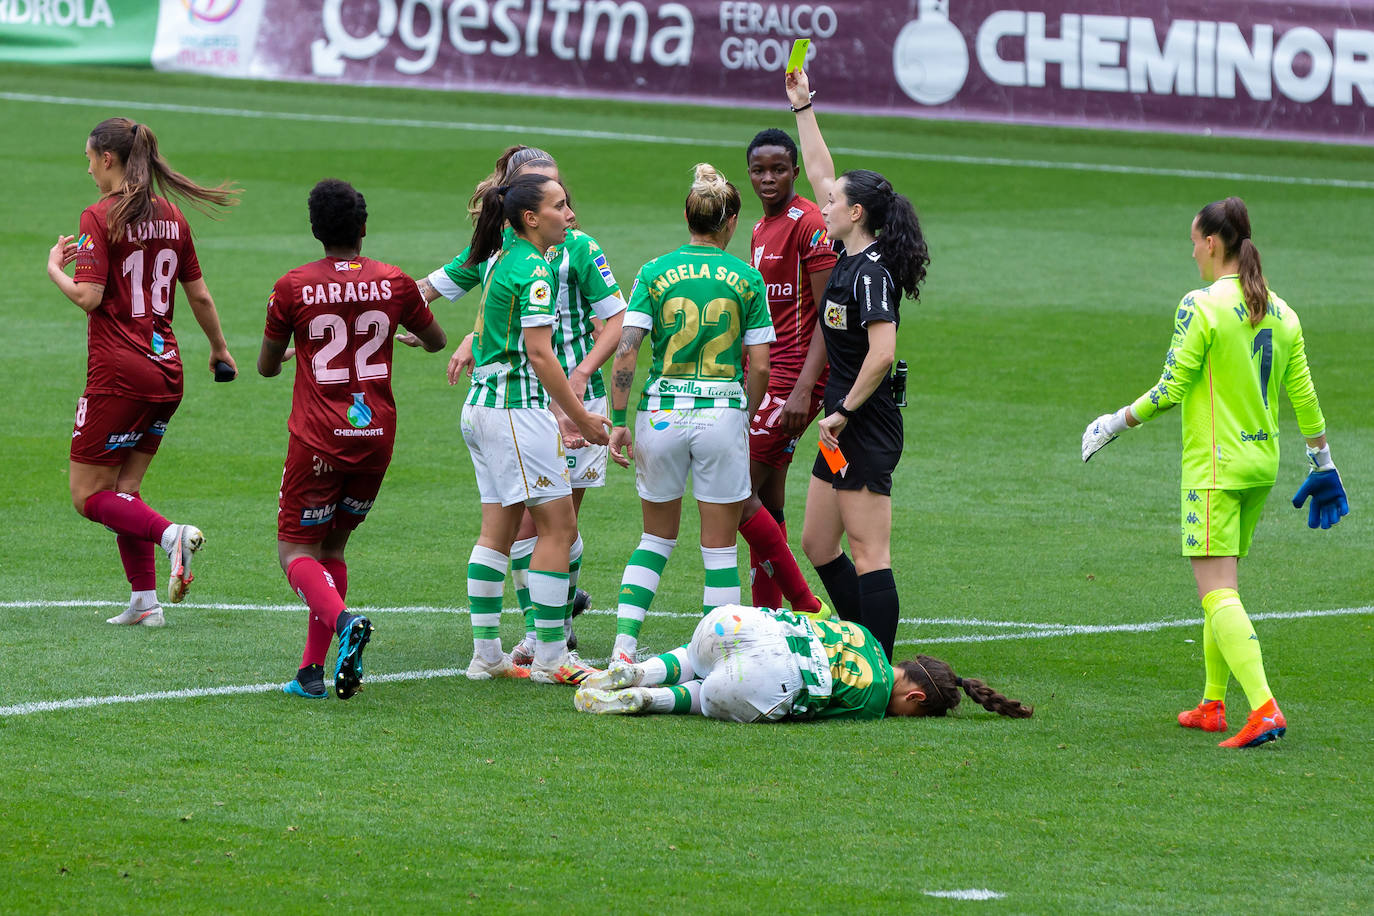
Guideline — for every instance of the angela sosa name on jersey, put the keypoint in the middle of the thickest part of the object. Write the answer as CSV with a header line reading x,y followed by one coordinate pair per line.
x,y
333,293
699,272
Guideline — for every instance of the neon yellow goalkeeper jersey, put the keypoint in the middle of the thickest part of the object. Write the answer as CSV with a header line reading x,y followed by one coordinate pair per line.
x,y
1227,374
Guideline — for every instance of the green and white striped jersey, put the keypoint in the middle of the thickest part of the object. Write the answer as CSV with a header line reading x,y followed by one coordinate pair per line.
x,y
518,290
845,673
586,288
702,306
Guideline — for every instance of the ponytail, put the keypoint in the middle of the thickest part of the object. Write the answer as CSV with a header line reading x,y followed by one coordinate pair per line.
x,y
135,146
893,221
508,165
942,686
502,204
1229,221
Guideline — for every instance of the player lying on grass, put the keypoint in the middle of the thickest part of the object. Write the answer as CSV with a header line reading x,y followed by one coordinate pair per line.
x,y
343,311
134,247
703,309
1235,344
586,294
747,664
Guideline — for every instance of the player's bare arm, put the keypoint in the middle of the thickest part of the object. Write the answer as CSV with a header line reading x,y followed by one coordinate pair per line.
x,y
203,307
622,380
798,405
87,296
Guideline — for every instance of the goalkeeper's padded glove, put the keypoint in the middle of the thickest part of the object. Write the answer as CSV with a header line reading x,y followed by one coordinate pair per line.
x,y
1323,485
1102,431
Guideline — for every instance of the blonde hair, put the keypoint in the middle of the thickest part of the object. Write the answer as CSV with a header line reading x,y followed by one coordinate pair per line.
x,y
711,201
508,165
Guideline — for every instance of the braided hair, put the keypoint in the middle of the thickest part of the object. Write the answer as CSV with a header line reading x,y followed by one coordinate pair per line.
x,y
942,686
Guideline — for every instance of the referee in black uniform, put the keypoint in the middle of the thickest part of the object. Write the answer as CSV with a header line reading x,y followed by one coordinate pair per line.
x,y
883,255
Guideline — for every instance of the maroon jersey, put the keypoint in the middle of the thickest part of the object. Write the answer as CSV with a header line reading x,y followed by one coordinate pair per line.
x,y
130,347
788,248
344,316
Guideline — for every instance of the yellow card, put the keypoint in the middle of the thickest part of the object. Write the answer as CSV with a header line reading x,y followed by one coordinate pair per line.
x,y
798,56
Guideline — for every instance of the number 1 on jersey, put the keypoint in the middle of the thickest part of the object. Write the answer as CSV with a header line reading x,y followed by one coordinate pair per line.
x,y
1264,341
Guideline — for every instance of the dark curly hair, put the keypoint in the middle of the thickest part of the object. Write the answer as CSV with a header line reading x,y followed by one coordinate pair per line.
x,y
338,213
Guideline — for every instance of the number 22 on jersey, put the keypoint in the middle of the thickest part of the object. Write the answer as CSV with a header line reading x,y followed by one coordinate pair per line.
x,y
372,325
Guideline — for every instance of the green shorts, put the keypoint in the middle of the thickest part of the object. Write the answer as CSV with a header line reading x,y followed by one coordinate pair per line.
x,y
1221,523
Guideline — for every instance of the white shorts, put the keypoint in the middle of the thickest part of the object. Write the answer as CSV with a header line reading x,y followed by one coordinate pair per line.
x,y
712,443
748,672
518,454
587,465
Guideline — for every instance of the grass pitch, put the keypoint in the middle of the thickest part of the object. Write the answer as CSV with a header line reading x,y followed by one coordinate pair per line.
x,y
1058,257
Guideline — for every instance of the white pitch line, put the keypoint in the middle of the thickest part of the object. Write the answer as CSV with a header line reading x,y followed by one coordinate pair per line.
x,y
24,709
977,893
582,134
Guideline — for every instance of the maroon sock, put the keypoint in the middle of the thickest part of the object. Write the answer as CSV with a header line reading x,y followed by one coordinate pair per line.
x,y
309,580
767,543
125,513
318,639
339,570
140,565
763,590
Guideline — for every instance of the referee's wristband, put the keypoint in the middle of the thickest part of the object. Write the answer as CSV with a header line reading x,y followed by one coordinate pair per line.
x,y
797,110
618,416
844,411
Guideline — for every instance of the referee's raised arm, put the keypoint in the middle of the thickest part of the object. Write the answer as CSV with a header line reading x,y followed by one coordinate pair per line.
x,y
820,168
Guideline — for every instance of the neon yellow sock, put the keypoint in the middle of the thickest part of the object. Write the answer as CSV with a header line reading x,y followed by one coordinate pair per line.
x,y
1235,638
1218,673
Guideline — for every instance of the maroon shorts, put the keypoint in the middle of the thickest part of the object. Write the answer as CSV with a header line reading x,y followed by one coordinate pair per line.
x,y
317,497
767,442
109,426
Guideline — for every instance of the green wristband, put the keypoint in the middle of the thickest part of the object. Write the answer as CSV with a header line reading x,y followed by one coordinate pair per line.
x,y
618,416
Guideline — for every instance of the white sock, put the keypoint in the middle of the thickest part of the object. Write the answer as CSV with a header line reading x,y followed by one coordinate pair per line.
x,y
143,601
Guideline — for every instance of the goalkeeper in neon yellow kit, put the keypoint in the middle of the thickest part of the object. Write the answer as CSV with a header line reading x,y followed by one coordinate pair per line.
x,y
1235,344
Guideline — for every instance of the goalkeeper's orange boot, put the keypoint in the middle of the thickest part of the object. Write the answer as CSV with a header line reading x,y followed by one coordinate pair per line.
x,y
1265,724
1210,716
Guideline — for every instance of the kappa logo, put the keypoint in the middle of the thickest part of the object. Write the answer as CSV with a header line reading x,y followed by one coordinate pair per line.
x,y
591,474
541,272
543,482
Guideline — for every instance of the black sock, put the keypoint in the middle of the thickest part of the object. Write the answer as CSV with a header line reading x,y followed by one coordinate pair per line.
x,y
778,515
878,598
842,585
344,620
309,674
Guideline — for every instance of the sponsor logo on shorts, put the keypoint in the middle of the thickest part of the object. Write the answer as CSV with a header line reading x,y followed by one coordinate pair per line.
x,y
317,515
1257,436
572,461
159,428
122,440
836,316
543,482
661,421
356,506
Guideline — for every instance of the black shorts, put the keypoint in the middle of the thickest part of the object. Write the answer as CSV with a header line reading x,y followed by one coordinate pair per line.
x,y
872,443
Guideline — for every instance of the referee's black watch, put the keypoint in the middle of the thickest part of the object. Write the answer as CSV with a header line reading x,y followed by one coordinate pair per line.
x,y
844,411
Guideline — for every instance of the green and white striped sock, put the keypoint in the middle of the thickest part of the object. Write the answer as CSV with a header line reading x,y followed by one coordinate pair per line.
x,y
722,577
520,553
574,567
549,592
637,588
486,587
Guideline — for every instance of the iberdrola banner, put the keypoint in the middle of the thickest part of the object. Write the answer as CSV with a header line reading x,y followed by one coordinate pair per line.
x,y
1276,68
118,32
